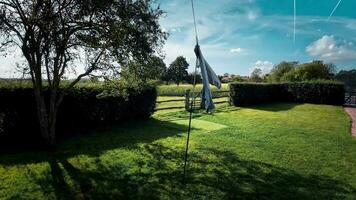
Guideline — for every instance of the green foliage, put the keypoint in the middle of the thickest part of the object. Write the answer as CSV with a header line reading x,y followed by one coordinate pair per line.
x,y
274,151
256,75
314,71
348,77
53,36
153,68
228,78
82,108
253,93
292,72
280,70
177,70
320,92
191,76
237,78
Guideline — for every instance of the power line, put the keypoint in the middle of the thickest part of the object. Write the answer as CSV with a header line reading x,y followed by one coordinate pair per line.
x,y
332,13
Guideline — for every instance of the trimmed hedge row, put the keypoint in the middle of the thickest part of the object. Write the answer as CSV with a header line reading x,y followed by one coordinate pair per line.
x,y
320,92
82,108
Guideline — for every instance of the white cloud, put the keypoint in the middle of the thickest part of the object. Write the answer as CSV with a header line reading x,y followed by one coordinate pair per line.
x,y
252,16
351,25
236,50
265,66
176,30
164,30
329,49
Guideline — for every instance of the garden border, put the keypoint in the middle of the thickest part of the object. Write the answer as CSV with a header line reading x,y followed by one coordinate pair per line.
x,y
352,112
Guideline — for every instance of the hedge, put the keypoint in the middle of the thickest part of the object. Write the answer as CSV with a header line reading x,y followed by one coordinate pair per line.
x,y
82,108
318,92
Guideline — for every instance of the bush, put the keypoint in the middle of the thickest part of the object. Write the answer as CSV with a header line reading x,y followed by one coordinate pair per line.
x,y
318,92
82,108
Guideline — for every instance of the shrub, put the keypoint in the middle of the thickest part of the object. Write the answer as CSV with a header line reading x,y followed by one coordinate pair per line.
x,y
318,92
82,108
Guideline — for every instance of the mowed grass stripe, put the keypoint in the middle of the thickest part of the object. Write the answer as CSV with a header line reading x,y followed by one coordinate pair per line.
x,y
272,151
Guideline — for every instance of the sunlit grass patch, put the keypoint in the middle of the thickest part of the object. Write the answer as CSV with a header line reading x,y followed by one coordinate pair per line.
x,y
274,151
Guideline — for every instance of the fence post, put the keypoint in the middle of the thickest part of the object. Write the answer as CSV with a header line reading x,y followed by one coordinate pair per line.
x,y
229,98
187,101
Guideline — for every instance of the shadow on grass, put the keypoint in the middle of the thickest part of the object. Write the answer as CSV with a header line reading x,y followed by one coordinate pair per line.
x,y
181,115
274,107
211,174
98,141
155,170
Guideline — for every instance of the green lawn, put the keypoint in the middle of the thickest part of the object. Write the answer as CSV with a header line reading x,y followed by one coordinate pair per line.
x,y
275,151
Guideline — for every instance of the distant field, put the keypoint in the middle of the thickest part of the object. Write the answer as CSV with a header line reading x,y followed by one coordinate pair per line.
x,y
14,83
174,90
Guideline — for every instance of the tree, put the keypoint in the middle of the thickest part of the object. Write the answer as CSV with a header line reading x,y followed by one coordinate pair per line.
x,y
166,78
315,70
191,76
291,71
156,68
280,70
348,77
56,35
153,68
237,78
177,70
256,75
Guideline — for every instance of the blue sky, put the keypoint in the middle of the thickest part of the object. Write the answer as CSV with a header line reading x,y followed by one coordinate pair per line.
x,y
237,36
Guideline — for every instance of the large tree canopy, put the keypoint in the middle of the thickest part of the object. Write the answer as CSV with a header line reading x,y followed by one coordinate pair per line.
x,y
177,70
56,35
153,68
291,71
256,75
280,70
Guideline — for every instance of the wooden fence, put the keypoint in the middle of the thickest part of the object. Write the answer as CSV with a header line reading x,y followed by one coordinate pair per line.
x,y
350,99
219,97
195,99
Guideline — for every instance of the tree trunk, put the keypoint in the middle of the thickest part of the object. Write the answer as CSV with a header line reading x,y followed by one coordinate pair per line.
x,y
55,101
52,116
42,116
48,116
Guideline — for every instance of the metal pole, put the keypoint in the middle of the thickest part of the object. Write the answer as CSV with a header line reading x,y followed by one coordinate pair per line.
x,y
187,144
193,100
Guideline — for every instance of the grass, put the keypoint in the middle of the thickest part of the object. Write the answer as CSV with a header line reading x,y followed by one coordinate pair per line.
x,y
274,151
174,90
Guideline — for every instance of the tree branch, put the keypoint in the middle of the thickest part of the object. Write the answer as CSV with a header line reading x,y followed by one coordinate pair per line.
x,y
89,70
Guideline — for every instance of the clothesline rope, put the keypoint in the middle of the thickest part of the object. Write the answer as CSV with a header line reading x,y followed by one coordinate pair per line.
x,y
195,23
